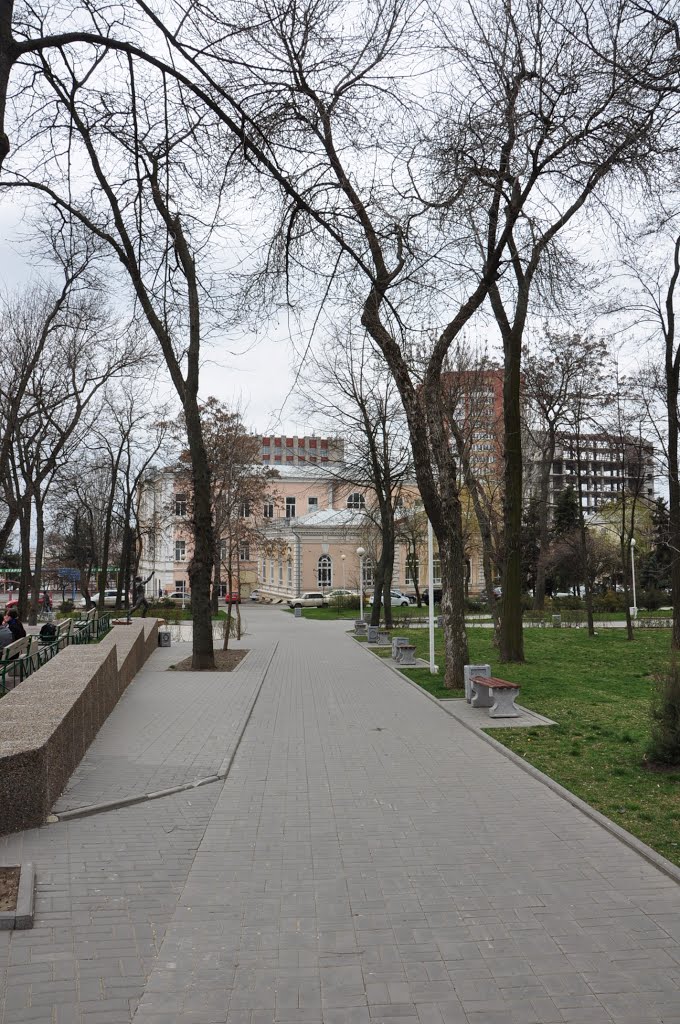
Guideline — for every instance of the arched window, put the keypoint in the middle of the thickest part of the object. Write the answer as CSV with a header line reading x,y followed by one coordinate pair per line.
x,y
356,501
368,573
324,572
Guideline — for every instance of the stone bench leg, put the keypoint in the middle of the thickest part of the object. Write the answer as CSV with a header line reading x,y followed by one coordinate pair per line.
x,y
397,643
504,706
473,670
407,657
481,696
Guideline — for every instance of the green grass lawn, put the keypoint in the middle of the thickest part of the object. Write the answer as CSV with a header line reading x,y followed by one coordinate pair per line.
x,y
598,691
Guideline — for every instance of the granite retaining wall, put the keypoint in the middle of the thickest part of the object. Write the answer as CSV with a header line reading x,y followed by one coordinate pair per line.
x,y
48,722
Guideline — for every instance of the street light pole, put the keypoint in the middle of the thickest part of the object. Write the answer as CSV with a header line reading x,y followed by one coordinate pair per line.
x,y
342,559
361,552
632,566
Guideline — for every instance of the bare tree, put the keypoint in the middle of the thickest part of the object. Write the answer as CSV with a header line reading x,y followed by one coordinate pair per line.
x,y
560,363
349,389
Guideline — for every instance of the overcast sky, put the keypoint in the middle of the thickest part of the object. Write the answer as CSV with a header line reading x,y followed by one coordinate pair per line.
x,y
255,375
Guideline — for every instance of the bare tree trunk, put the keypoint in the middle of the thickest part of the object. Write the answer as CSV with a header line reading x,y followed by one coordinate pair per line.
x,y
378,590
453,607
674,499
543,522
512,640
25,546
201,565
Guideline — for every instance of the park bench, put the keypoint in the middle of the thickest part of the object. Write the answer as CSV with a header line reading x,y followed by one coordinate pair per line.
x,y
14,662
407,654
498,695
360,627
372,634
61,636
397,643
384,638
87,622
16,649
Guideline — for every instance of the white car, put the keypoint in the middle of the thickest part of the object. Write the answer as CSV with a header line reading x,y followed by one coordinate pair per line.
x,y
397,599
109,599
310,599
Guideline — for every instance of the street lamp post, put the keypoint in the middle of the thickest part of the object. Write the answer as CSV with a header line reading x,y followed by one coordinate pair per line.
x,y
342,559
361,552
632,566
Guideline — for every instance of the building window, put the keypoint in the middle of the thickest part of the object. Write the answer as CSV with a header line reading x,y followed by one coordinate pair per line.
x,y
368,574
412,571
437,571
268,511
324,572
180,586
244,552
290,573
244,510
312,504
271,570
180,504
180,550
290,508
280,572
356,501
223,551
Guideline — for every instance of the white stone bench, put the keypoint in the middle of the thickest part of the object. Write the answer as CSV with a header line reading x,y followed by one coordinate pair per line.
x,y
397,643
384,638
407,654
498,695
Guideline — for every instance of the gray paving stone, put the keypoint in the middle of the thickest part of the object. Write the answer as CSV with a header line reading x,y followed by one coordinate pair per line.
x,y
342,875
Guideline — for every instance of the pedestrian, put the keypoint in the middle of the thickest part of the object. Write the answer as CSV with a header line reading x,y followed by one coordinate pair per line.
x,y
139,596
15,625
47,605
6,637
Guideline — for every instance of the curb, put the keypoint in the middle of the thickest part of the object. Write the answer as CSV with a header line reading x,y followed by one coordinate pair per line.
x,y
627,838
22,916
140,798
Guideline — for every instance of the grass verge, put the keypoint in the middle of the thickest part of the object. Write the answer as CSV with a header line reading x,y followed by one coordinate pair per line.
x,y
598,690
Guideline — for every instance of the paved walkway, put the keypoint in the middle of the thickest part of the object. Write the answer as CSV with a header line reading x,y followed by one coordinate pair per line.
x,y
367,860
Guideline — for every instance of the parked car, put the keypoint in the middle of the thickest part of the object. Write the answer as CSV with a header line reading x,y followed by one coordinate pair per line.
x,y
310,599
254,595
109,599
178,597
341,592
397,599
14,600
425,595
233,598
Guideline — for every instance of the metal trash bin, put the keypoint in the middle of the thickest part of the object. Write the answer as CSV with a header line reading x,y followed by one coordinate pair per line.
x,y
163,638
298,611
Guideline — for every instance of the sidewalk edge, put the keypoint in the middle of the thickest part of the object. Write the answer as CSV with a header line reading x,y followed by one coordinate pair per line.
x,y
620,833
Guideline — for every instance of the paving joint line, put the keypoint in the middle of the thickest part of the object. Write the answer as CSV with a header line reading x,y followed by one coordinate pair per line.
x,y
627,838
138,798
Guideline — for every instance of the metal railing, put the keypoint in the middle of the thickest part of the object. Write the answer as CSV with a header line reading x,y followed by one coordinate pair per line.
x,y
19,669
